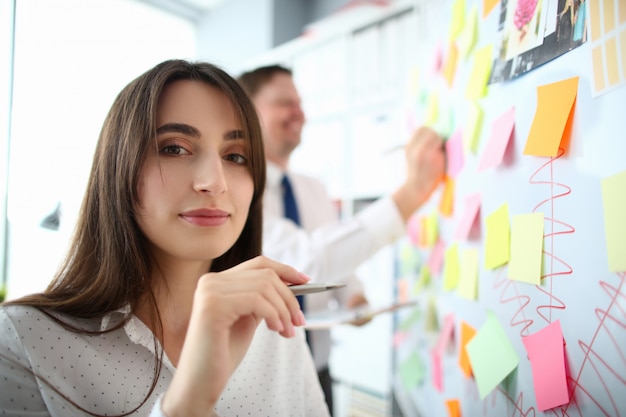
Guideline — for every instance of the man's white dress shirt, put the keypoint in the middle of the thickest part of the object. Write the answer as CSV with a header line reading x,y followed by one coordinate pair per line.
x,y
326,249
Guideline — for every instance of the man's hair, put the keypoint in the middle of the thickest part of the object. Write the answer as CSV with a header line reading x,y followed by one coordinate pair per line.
x,y
252,81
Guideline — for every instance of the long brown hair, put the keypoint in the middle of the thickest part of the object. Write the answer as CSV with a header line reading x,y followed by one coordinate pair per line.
x,y
108,264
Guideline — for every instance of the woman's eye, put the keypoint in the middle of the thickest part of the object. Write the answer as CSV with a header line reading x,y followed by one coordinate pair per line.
x,y
174,150
236,158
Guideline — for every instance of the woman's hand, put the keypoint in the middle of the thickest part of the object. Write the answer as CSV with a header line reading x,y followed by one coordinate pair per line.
x,y
227,308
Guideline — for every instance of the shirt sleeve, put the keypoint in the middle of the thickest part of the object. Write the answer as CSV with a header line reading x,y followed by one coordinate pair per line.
x,y
20,391
332,252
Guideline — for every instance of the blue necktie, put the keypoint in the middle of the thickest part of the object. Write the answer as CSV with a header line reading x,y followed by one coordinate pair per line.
x,y
291,212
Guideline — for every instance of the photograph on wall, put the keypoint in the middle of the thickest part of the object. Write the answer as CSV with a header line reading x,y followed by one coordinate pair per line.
x,y
533,32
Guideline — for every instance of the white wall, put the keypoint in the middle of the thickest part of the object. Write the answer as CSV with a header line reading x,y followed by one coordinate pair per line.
x,y
71,59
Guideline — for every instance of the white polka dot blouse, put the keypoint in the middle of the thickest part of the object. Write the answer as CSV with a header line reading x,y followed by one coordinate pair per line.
x,y
49,370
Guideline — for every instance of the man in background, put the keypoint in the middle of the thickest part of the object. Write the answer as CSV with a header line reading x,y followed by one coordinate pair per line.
x,y
304,230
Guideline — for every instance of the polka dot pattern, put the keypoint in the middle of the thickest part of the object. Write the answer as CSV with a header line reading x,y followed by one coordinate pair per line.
x,y
111,373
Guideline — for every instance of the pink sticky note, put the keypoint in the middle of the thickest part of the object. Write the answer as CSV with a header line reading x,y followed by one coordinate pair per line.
x,y
436,257
413,230
472,207
501,132
446,335
437,371
454,153
399,338
547,360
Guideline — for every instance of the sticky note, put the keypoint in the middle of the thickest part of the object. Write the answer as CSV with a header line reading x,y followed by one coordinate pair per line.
x,y
467,37
449,68
466,223
436,370
451,268
457,19
481,70
526,248
491,355
473,125
435,260
431,319
454,153
446,335
555,105
410,320
454,408
446,204
488,6
501,133
547,360
614,203
498,239
468,278
412,371
422,281
467,332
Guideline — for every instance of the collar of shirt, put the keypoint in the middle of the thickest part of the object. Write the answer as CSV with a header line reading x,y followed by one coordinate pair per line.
x,y
274,175
136,330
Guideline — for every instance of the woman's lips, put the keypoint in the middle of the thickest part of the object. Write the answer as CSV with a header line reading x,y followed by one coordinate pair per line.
x,y
205,217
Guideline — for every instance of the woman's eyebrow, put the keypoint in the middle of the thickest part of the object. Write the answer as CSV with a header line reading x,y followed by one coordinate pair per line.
x,y
234,134
178,128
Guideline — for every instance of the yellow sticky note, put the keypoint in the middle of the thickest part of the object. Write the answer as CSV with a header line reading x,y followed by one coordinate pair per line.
x,y
451,268
422,281
497,241
432,109
555,104
526,248
432,232
477,84
473,126
467,38
431,318
614,201
457,19
468,279
449,68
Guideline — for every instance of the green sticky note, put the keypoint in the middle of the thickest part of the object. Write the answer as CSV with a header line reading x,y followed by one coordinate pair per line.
x,y
491,354
526,248
412,371
498,239
614,200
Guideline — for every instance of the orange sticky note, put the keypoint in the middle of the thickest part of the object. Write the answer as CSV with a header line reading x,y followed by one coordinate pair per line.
x,y
454,408
447,197
467,332
488,6
555,104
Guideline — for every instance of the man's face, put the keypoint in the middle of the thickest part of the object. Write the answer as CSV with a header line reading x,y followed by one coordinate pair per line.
x,y
282,119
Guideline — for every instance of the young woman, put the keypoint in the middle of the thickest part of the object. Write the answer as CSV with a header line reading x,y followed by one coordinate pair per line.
x,y
163,305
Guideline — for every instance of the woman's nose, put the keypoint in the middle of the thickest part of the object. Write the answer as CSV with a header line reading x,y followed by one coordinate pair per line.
x,y
210,177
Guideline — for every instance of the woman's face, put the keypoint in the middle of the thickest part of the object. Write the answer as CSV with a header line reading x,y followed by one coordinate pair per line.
x,y
195,193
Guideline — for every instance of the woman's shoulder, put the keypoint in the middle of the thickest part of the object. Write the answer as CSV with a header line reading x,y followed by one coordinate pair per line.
x,y
27,317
